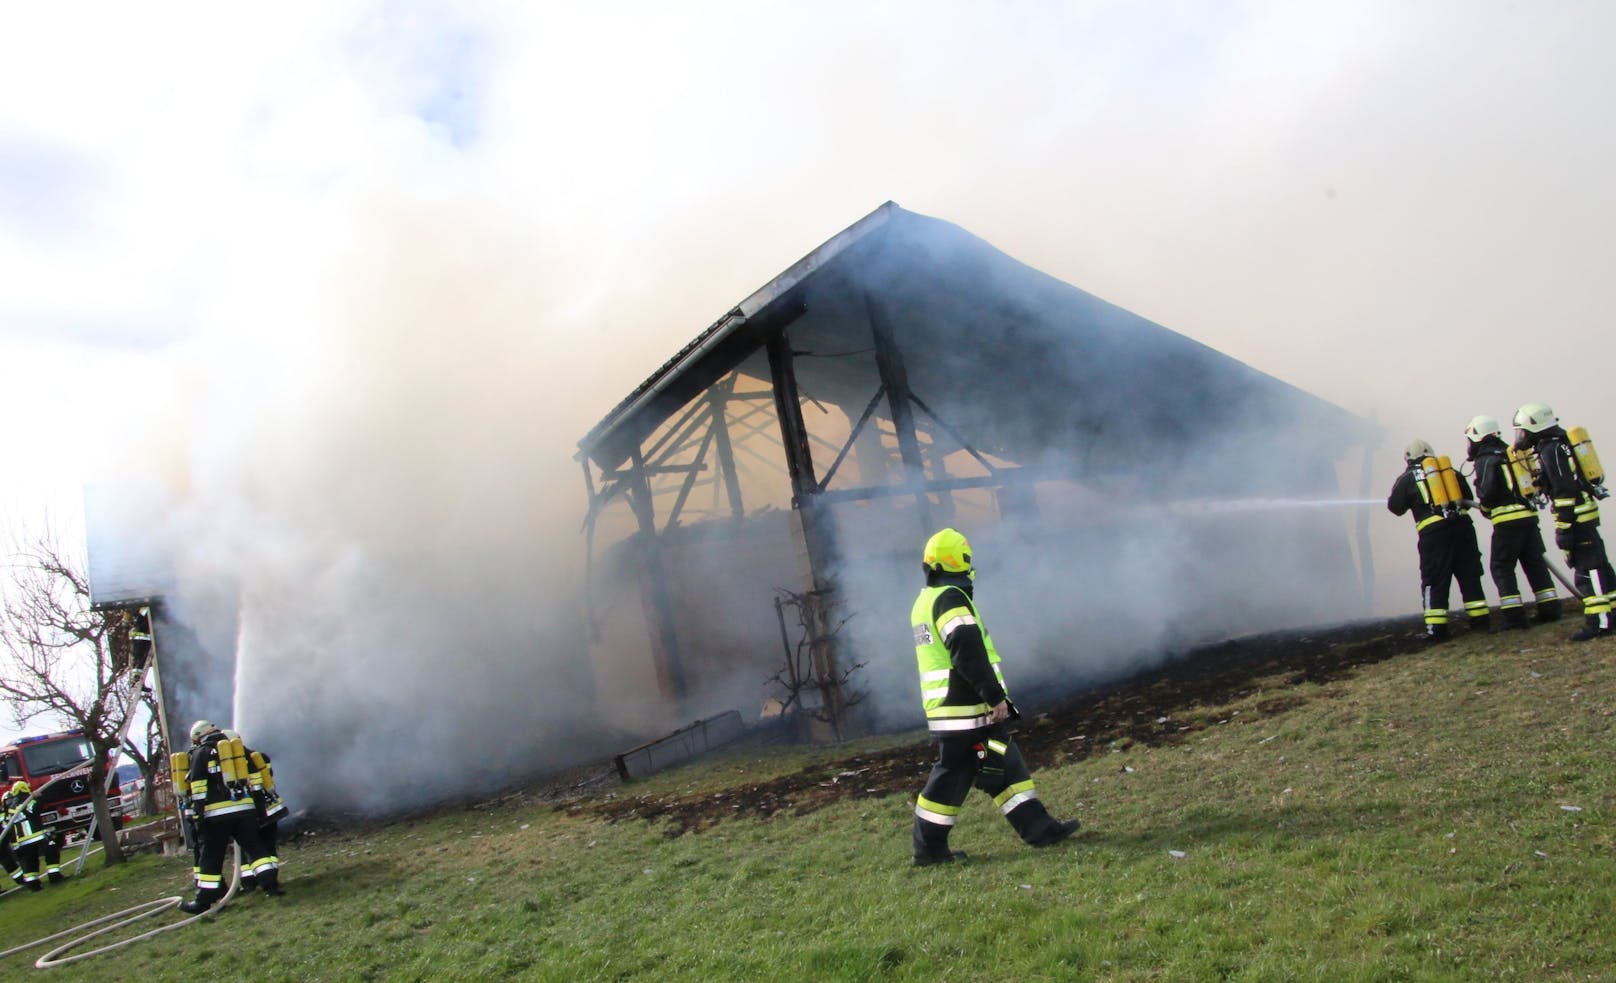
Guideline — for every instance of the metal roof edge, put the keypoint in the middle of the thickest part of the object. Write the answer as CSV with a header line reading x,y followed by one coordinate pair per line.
x,y
732,321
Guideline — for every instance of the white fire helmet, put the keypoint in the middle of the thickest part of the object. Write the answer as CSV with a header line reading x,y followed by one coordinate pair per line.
x,y
1481,426
1535,417
201,729
1418,450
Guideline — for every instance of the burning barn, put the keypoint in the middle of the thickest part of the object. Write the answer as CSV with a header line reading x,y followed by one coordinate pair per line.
x,y
1129,491
764,494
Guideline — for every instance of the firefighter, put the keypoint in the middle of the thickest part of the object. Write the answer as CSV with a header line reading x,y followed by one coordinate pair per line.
x,y
26,836
1504,494
1447,538
271,810
8,860
223,809
50,850
1575,485
967,712
8,857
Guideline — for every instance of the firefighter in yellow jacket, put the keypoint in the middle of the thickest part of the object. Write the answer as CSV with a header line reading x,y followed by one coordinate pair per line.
x,y
967,712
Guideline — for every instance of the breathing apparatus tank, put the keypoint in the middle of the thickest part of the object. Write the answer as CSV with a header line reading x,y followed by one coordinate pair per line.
x,y
261,767
1523,469
1441,484
1588,459
232,762
1450,481
179,766
1430,482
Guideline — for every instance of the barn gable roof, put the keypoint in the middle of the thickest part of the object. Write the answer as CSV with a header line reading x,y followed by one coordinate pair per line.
x,y
1016,358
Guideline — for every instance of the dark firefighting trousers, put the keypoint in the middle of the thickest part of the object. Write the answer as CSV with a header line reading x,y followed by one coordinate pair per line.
x,y
1595,579
217,834
988,759
22,862
268,838
1448,552
1519,542
9,862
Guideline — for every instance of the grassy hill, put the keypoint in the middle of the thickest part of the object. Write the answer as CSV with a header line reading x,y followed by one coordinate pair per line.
x,y
1347,807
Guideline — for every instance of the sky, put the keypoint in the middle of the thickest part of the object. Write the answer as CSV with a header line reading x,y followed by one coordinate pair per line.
x,y
278,259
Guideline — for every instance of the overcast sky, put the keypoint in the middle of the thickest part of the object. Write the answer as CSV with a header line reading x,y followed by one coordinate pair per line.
x,y
217,221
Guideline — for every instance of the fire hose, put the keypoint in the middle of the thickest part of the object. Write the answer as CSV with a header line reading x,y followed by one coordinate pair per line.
x,y
119,919
1560,575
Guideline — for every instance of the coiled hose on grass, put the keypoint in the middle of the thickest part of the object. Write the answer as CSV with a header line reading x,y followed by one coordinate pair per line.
x,y
119,919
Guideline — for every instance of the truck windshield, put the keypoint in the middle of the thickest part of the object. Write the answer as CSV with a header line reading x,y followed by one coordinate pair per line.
x,y
51,757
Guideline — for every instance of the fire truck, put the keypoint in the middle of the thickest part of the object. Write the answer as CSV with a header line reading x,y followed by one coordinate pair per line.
x,y
66,806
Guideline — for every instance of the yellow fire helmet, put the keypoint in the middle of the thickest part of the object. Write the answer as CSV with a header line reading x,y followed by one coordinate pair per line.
x,y
1481,427
1418,450
21,786
948,551
1535,417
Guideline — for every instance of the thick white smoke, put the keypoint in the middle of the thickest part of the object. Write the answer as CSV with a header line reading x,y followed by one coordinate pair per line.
x,y
352,281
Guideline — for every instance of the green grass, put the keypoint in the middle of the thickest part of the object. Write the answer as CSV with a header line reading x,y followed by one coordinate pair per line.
x,y
1403,823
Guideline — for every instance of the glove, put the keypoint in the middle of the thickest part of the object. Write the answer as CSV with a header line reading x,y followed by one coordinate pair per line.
x,y
1601,492
1564,538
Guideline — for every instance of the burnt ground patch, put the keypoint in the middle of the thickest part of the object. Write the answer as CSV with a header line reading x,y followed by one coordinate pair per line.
x,y
1160,707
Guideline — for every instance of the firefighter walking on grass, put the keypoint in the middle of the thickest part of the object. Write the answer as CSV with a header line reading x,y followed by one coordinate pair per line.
x,y
967,709
1437,496
1504,489
1575,483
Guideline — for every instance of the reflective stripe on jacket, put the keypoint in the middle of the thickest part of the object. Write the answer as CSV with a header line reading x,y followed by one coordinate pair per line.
x,y
952,702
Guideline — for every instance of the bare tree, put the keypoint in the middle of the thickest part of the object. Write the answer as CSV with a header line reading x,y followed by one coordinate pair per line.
x,y
812,684
65,661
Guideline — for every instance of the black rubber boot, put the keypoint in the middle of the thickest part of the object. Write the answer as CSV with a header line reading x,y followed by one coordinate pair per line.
x,y
270,881
1037,827
56,877
203,901
1061,829
1590,630
35,886
931,844
1482,622
1437,633
1513,619
1548,611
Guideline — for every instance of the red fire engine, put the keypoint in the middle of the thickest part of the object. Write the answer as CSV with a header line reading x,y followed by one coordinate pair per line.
x,y
67,805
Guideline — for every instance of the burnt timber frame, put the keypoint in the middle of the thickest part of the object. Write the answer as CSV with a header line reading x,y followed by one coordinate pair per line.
x,y
682,408
706,425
